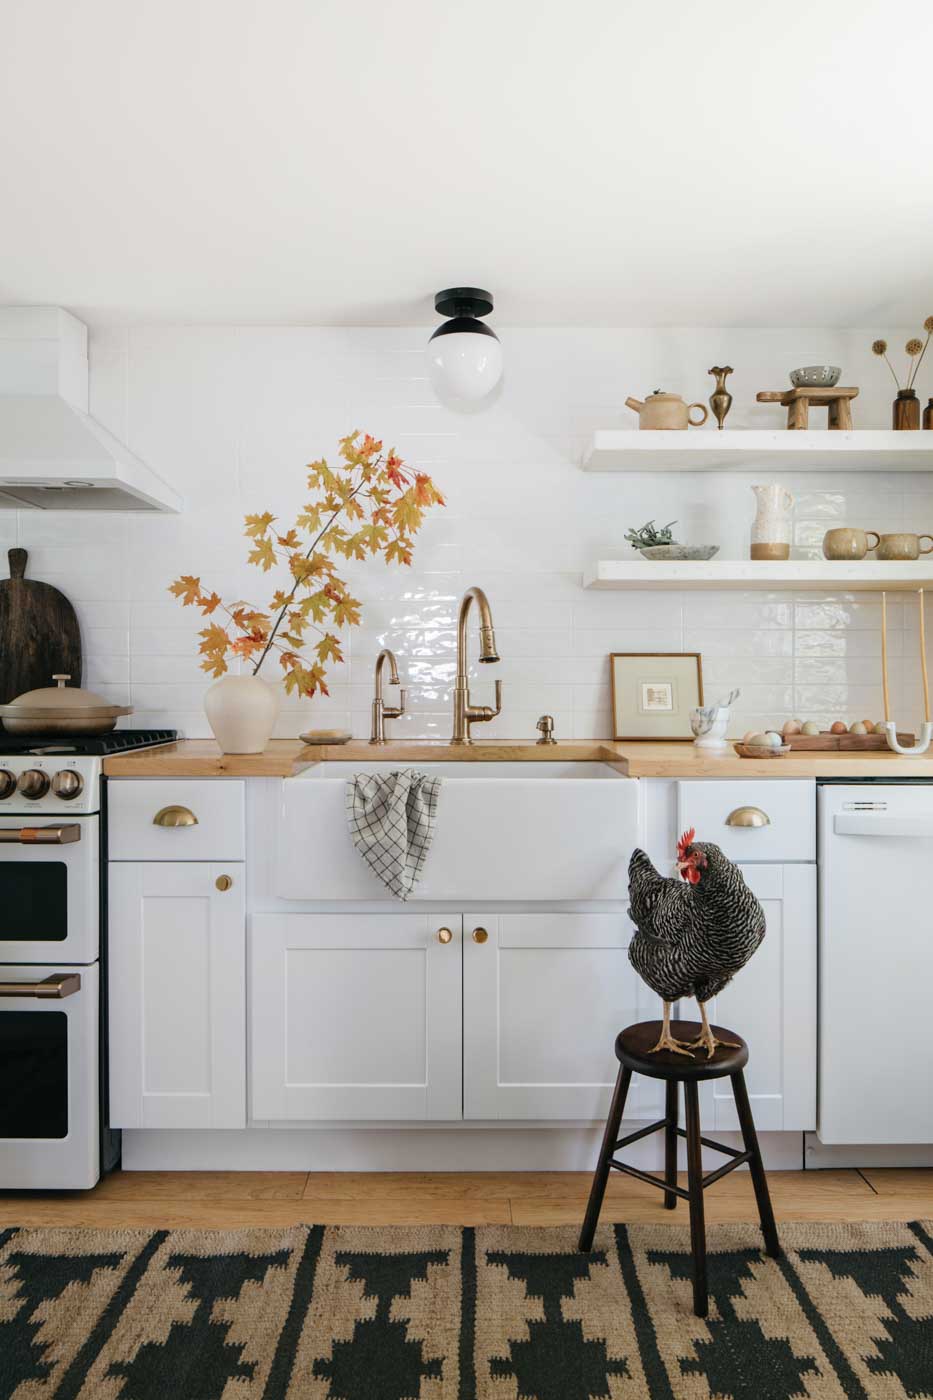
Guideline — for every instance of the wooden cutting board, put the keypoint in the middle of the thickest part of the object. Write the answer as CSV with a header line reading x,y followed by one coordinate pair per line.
x,y
39,634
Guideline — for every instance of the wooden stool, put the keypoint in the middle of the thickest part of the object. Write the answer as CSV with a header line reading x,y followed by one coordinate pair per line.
x,y
798,403
632,1048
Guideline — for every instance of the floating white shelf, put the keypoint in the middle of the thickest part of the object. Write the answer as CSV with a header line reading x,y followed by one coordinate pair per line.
x,y
799,574
814,450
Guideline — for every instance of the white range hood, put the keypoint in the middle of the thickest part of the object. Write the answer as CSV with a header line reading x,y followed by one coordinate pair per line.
x,y
53,455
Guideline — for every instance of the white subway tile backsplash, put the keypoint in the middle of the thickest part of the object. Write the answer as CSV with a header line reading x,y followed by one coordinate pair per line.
x,y
230,416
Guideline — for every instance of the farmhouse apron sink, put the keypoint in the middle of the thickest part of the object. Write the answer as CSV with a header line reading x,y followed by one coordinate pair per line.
x,y
505,831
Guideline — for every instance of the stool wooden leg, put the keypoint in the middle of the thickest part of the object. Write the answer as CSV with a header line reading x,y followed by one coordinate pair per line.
x,y
755,1166
601,1174
798,413
695,1185
670,1142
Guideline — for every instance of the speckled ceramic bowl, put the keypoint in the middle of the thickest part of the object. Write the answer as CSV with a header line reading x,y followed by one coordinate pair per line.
x,y
815,377
672,552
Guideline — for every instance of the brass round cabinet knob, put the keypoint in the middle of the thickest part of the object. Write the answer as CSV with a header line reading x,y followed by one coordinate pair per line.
x,y
444,935
480,935
224,882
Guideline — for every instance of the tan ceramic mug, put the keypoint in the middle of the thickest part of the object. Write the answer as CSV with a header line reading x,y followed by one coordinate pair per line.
x,y
903,546
846,543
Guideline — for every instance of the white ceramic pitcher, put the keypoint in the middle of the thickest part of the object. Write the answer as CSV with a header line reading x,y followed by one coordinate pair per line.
x,y
771,529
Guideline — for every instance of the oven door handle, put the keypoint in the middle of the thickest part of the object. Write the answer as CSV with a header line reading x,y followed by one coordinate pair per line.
x,y
41,835
61,984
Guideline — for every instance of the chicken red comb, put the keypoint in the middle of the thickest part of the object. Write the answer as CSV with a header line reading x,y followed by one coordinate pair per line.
x,y
685,841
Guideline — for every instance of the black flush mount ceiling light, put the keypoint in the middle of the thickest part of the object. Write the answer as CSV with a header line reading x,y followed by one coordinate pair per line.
x,y
465,355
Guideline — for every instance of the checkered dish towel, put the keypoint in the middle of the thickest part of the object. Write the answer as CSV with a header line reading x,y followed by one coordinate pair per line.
x,y
391,820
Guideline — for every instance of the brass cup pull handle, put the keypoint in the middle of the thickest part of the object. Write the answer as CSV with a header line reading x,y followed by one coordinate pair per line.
x,y
174,816
480,935
61,984
444,935
748,816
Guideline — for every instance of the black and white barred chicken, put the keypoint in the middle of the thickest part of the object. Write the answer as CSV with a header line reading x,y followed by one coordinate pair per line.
x,y
693,934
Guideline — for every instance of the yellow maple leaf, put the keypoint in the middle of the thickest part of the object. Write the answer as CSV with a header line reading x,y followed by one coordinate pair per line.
x,y
262,554
407,514
328,648
347,612
215,638
187,588
215,665
257,525
398,551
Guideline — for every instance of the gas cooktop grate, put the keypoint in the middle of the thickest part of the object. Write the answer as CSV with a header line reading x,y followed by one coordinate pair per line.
x,y
91,744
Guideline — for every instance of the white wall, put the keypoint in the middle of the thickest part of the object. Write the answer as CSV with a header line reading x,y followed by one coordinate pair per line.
x,y
230,416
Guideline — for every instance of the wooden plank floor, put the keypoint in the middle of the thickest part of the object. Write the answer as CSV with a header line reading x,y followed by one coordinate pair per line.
x,y
219,1200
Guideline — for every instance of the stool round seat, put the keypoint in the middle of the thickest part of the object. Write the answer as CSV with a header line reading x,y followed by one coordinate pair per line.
x,y
633,1046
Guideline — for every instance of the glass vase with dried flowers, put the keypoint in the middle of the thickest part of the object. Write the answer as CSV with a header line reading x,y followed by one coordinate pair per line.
x,y
906,415
367,503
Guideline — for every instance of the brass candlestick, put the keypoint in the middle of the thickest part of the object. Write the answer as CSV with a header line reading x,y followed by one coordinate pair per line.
x,y
720,400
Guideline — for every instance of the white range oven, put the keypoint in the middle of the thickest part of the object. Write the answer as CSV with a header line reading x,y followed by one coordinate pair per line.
x,y
52,1014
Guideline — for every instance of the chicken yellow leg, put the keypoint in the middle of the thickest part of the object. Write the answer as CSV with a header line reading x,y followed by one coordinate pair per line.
x,y
706,1040
667,1041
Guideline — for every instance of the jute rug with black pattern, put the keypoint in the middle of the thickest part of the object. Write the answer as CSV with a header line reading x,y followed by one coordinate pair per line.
x,y
443,1313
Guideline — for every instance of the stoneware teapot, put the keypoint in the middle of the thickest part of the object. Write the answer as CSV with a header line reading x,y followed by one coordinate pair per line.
x,y
667,412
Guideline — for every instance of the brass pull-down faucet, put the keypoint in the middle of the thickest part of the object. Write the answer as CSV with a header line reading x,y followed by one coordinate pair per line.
x,y
382,711
465,712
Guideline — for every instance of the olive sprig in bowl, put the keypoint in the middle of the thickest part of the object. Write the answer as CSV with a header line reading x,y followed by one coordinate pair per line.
x,y
657,542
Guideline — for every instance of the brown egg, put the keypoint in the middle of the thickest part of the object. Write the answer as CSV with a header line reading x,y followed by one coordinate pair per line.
x,y
838,727
869,725
792,727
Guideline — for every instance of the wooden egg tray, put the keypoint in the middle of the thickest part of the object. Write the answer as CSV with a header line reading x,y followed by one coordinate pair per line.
x,y
842,743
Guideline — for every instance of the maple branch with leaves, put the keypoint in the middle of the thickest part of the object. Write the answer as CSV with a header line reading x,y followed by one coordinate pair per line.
x,y
374,491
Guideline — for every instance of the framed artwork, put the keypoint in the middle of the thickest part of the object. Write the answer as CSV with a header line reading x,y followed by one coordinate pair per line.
x,y
654,692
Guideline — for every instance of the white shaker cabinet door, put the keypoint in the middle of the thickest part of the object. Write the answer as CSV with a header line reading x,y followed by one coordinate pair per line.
x,y
355,1016
544,997
771,1003
177,978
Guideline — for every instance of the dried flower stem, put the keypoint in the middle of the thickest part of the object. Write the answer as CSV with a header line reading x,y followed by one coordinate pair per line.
x,y
891,368
910,382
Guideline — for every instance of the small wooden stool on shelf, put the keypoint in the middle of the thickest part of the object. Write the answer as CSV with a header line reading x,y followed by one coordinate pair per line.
x,y
798,403
632,1051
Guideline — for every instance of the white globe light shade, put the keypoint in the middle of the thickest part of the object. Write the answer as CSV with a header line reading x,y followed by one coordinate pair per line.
x,y
465,364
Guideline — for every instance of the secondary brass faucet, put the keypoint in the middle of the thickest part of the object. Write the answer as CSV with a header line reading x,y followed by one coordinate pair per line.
x,y
382,711
465,712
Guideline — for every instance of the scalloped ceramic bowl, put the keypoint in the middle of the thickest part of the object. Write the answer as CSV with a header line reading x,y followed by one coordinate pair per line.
x,y
679,551
815,377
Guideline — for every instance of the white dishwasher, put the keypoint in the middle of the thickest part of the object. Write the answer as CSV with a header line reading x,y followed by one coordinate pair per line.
x,y
875,963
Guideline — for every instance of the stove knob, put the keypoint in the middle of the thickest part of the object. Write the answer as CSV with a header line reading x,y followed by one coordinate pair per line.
x,y
33,783
7,783
67,784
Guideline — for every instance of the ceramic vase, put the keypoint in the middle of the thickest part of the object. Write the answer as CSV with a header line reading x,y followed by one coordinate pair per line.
x,y
771,529
241,711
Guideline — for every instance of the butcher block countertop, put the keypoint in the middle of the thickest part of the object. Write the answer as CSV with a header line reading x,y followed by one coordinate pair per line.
x,y
201,758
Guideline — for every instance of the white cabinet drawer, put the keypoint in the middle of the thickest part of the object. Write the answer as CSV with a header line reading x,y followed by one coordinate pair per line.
x,y
789,805
217,803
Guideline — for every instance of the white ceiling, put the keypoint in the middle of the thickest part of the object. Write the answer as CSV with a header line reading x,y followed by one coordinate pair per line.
x,y
599,162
